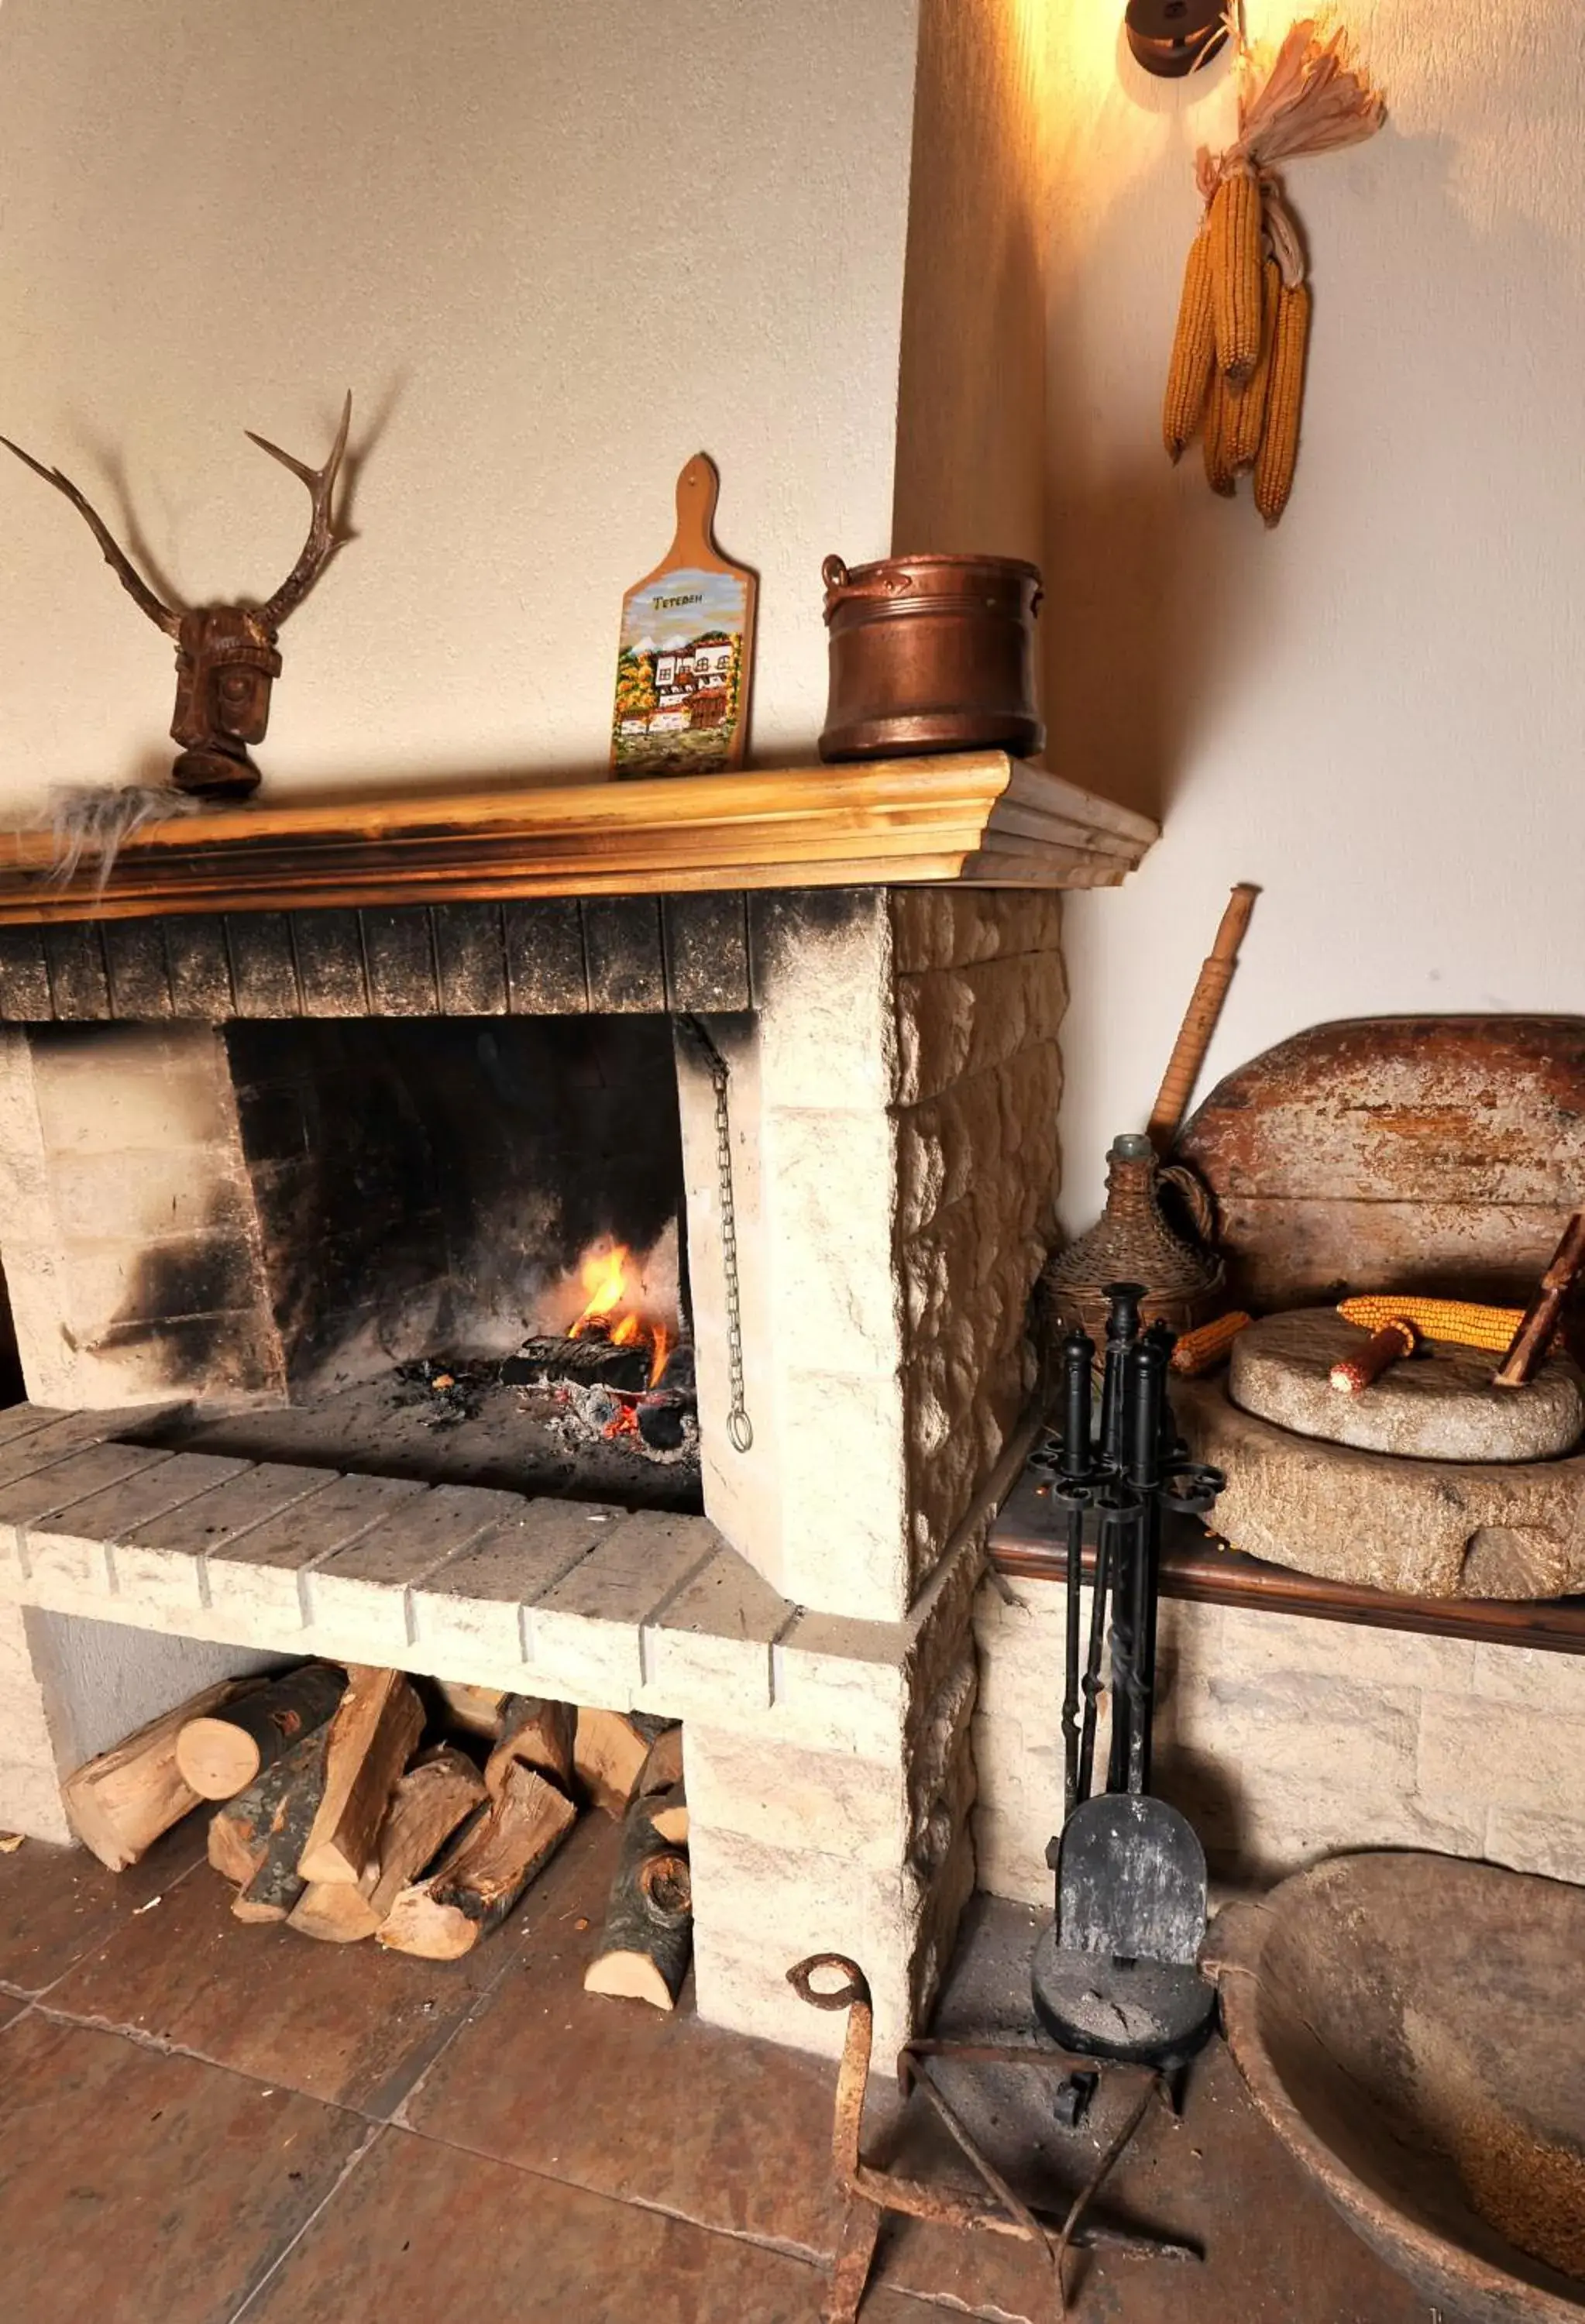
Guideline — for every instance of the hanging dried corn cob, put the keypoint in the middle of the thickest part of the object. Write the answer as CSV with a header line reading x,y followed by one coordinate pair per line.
x,y
1246,419
1220,472
1193,351
1234,226
1244,285
1279,440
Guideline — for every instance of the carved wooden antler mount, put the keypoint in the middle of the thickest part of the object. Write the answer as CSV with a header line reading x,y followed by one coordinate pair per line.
x,y
226,656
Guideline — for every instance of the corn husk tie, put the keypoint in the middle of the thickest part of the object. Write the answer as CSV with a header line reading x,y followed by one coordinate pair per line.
x,y
1313,99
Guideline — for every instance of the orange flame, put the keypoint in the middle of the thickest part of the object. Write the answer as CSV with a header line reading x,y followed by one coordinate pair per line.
x,y
604,1277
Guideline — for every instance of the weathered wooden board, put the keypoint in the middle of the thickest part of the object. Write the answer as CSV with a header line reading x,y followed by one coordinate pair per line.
x,y
1436,1154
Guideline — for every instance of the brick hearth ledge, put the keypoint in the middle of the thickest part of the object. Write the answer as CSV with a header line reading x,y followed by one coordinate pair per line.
x,y
814,1743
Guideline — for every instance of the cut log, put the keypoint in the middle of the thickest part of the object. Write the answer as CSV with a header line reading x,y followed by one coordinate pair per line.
x,y
534,1733
333,1914
610,1755
648,1930
379,1720
239,1831
468,1710
434,1797
668,1812
119,1803
222,1752
485,1874
277,1886
662,1767
591,1361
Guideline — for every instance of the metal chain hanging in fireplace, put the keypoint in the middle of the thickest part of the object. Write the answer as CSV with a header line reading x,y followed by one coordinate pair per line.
x,y
739,1426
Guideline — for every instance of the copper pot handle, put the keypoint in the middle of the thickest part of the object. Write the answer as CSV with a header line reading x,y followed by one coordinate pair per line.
x,y
1196,1195
840,582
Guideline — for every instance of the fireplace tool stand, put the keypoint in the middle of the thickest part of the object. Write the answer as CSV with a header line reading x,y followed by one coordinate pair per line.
x,y
1115,1974
871,2191
1114,1981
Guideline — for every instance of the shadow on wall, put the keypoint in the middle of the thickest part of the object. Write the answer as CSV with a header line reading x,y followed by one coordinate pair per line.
x,y
971,389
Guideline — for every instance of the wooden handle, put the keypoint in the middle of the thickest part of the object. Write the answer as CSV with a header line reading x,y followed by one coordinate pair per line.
x,y
1199,1020
1395,1339
699,488
1530,1342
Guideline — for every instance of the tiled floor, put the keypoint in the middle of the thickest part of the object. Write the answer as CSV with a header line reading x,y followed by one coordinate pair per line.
x,y
202,2122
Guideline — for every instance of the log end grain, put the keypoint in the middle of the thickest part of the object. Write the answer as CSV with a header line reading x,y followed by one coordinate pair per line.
x,y
217,1759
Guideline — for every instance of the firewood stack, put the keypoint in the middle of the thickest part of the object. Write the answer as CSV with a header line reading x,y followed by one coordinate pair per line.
x,y
348,1805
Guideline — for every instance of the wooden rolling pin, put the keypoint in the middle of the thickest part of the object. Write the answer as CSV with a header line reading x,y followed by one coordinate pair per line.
x,y
1200,1021
1530,1342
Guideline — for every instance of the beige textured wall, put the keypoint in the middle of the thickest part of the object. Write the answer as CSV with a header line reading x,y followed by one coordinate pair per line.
x,y
554,251
1374,711
1286,1740
972,395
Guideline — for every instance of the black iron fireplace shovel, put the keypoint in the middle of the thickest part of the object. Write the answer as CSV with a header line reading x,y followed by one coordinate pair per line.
x,y
1114,1975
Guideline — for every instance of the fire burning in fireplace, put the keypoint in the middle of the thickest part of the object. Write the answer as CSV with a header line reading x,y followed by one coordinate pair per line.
x,y
631,1376
613,1314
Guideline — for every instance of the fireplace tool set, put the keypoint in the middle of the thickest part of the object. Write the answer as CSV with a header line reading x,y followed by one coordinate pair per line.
x,y
1114,1979
1114,1975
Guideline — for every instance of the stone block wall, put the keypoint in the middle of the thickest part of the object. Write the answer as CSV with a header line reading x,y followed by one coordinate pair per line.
x,y
1286,1738
839,1820
30,1782
127,1221
893,1108
980,994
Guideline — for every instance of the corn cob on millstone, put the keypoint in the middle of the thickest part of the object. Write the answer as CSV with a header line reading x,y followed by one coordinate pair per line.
x,y
1465,1321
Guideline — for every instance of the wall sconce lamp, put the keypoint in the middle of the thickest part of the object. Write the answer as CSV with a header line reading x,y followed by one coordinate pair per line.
x,y
1170,38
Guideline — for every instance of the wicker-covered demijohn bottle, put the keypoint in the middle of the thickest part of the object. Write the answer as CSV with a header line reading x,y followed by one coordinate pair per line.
x,y
1131,1242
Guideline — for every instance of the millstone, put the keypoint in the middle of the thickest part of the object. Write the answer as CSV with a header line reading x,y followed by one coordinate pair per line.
x,y
1434,1529
1438,1405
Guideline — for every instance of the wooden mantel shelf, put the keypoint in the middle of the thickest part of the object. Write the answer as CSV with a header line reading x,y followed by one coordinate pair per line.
x,y
976,819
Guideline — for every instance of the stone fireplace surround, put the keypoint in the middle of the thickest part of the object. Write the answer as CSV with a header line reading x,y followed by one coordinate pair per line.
x,y
894,1084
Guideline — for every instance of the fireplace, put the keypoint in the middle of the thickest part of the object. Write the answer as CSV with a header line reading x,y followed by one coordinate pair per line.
x,y
280,1186
452,1243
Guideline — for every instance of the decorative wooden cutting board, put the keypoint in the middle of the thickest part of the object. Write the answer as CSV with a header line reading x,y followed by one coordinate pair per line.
x,y
686,654
1435,1154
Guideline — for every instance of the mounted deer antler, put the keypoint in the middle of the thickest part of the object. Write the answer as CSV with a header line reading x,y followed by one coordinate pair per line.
x,y
115,557
322,543
226,656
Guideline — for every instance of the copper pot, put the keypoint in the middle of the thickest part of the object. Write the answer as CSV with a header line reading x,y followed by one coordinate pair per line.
x,y
931,653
